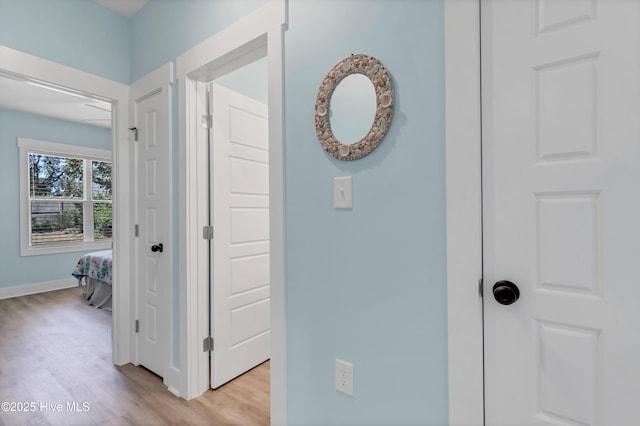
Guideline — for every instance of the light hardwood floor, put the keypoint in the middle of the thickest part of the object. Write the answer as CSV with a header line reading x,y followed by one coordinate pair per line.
x,y
55,349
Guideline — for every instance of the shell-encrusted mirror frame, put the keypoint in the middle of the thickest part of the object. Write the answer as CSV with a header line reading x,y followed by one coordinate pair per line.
x,y
373,69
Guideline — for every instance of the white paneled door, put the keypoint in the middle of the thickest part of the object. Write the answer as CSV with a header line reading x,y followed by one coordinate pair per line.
x,y
240,288
152,257
561,189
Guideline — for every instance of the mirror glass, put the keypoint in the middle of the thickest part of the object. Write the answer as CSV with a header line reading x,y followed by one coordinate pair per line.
x,y
353,108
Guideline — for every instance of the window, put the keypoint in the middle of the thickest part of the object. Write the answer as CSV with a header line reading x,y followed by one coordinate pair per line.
x,y
66,198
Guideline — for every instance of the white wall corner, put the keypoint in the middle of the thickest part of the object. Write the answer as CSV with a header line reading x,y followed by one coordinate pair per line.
x,y
276,98
464,209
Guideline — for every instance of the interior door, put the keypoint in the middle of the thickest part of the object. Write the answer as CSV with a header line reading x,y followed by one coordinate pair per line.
x,y
561,169
240,288
152,252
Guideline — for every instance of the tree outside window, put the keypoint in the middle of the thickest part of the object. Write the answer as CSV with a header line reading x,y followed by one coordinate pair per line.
x,y
69,198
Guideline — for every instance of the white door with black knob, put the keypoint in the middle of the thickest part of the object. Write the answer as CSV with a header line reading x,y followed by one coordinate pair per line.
x,y
561,195
152,206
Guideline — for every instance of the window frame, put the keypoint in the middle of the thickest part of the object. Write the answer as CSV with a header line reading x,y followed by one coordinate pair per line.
x,y
32,146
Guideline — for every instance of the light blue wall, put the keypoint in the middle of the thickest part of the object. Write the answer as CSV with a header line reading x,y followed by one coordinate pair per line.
x,y
251,80
164,29
14,269
367,285
77,33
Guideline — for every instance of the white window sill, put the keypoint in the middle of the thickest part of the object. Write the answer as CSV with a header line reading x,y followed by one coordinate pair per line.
x,y
65,248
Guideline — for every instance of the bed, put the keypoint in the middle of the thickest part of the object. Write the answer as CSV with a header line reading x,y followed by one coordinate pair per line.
x,y
93,272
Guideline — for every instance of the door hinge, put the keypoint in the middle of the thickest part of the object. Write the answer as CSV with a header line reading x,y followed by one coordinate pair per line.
x,y
135,133
207,232
207,344
137,326
137,230
481,287
207,121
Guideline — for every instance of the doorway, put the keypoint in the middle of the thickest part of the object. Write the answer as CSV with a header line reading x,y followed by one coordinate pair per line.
x,y
239,282
234,218
41,71
255,36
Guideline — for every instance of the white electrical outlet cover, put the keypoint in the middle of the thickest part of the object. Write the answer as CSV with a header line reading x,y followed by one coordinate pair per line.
x,y
344,377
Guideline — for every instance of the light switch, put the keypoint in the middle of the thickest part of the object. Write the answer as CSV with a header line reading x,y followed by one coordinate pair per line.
x,y
342,192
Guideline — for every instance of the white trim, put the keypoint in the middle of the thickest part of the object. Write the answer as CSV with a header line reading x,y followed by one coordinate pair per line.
x,y
193,193
187,220
158,79
45,147
157,82
27,289
263,27
61,76
174,391
278,364
26,250
464,212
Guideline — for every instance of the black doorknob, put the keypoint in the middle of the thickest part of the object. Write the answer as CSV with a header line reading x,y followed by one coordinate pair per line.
x,y
156,248
506,292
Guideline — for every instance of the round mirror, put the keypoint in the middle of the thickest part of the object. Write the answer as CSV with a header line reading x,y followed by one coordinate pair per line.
x,y
353,108
351,119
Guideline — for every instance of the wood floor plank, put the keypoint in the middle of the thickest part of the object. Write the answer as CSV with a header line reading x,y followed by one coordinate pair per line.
x,y
56,349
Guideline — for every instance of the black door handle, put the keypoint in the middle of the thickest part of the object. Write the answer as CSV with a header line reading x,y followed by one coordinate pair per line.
x,y
506,292
156,248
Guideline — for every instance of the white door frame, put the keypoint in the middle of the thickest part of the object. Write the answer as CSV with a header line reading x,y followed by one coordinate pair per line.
x,y
464,212
37,69
248,39
157,83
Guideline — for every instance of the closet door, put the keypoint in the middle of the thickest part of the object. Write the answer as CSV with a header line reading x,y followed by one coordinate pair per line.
x,y
561,172
153,252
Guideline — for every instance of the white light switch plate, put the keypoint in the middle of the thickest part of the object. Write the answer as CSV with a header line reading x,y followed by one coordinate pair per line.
x,y
342,192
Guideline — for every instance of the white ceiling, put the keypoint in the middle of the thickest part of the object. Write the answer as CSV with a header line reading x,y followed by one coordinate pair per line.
x,y
126,8
31,97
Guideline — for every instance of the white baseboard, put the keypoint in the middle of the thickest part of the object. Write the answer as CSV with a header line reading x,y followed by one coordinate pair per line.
x,y
172,381
26,289
174,391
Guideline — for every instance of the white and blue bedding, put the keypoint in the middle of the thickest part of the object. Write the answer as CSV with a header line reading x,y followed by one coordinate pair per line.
x,y
93,272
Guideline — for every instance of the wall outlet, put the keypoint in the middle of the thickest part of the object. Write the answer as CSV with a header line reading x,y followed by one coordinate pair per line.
x,y
344,377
